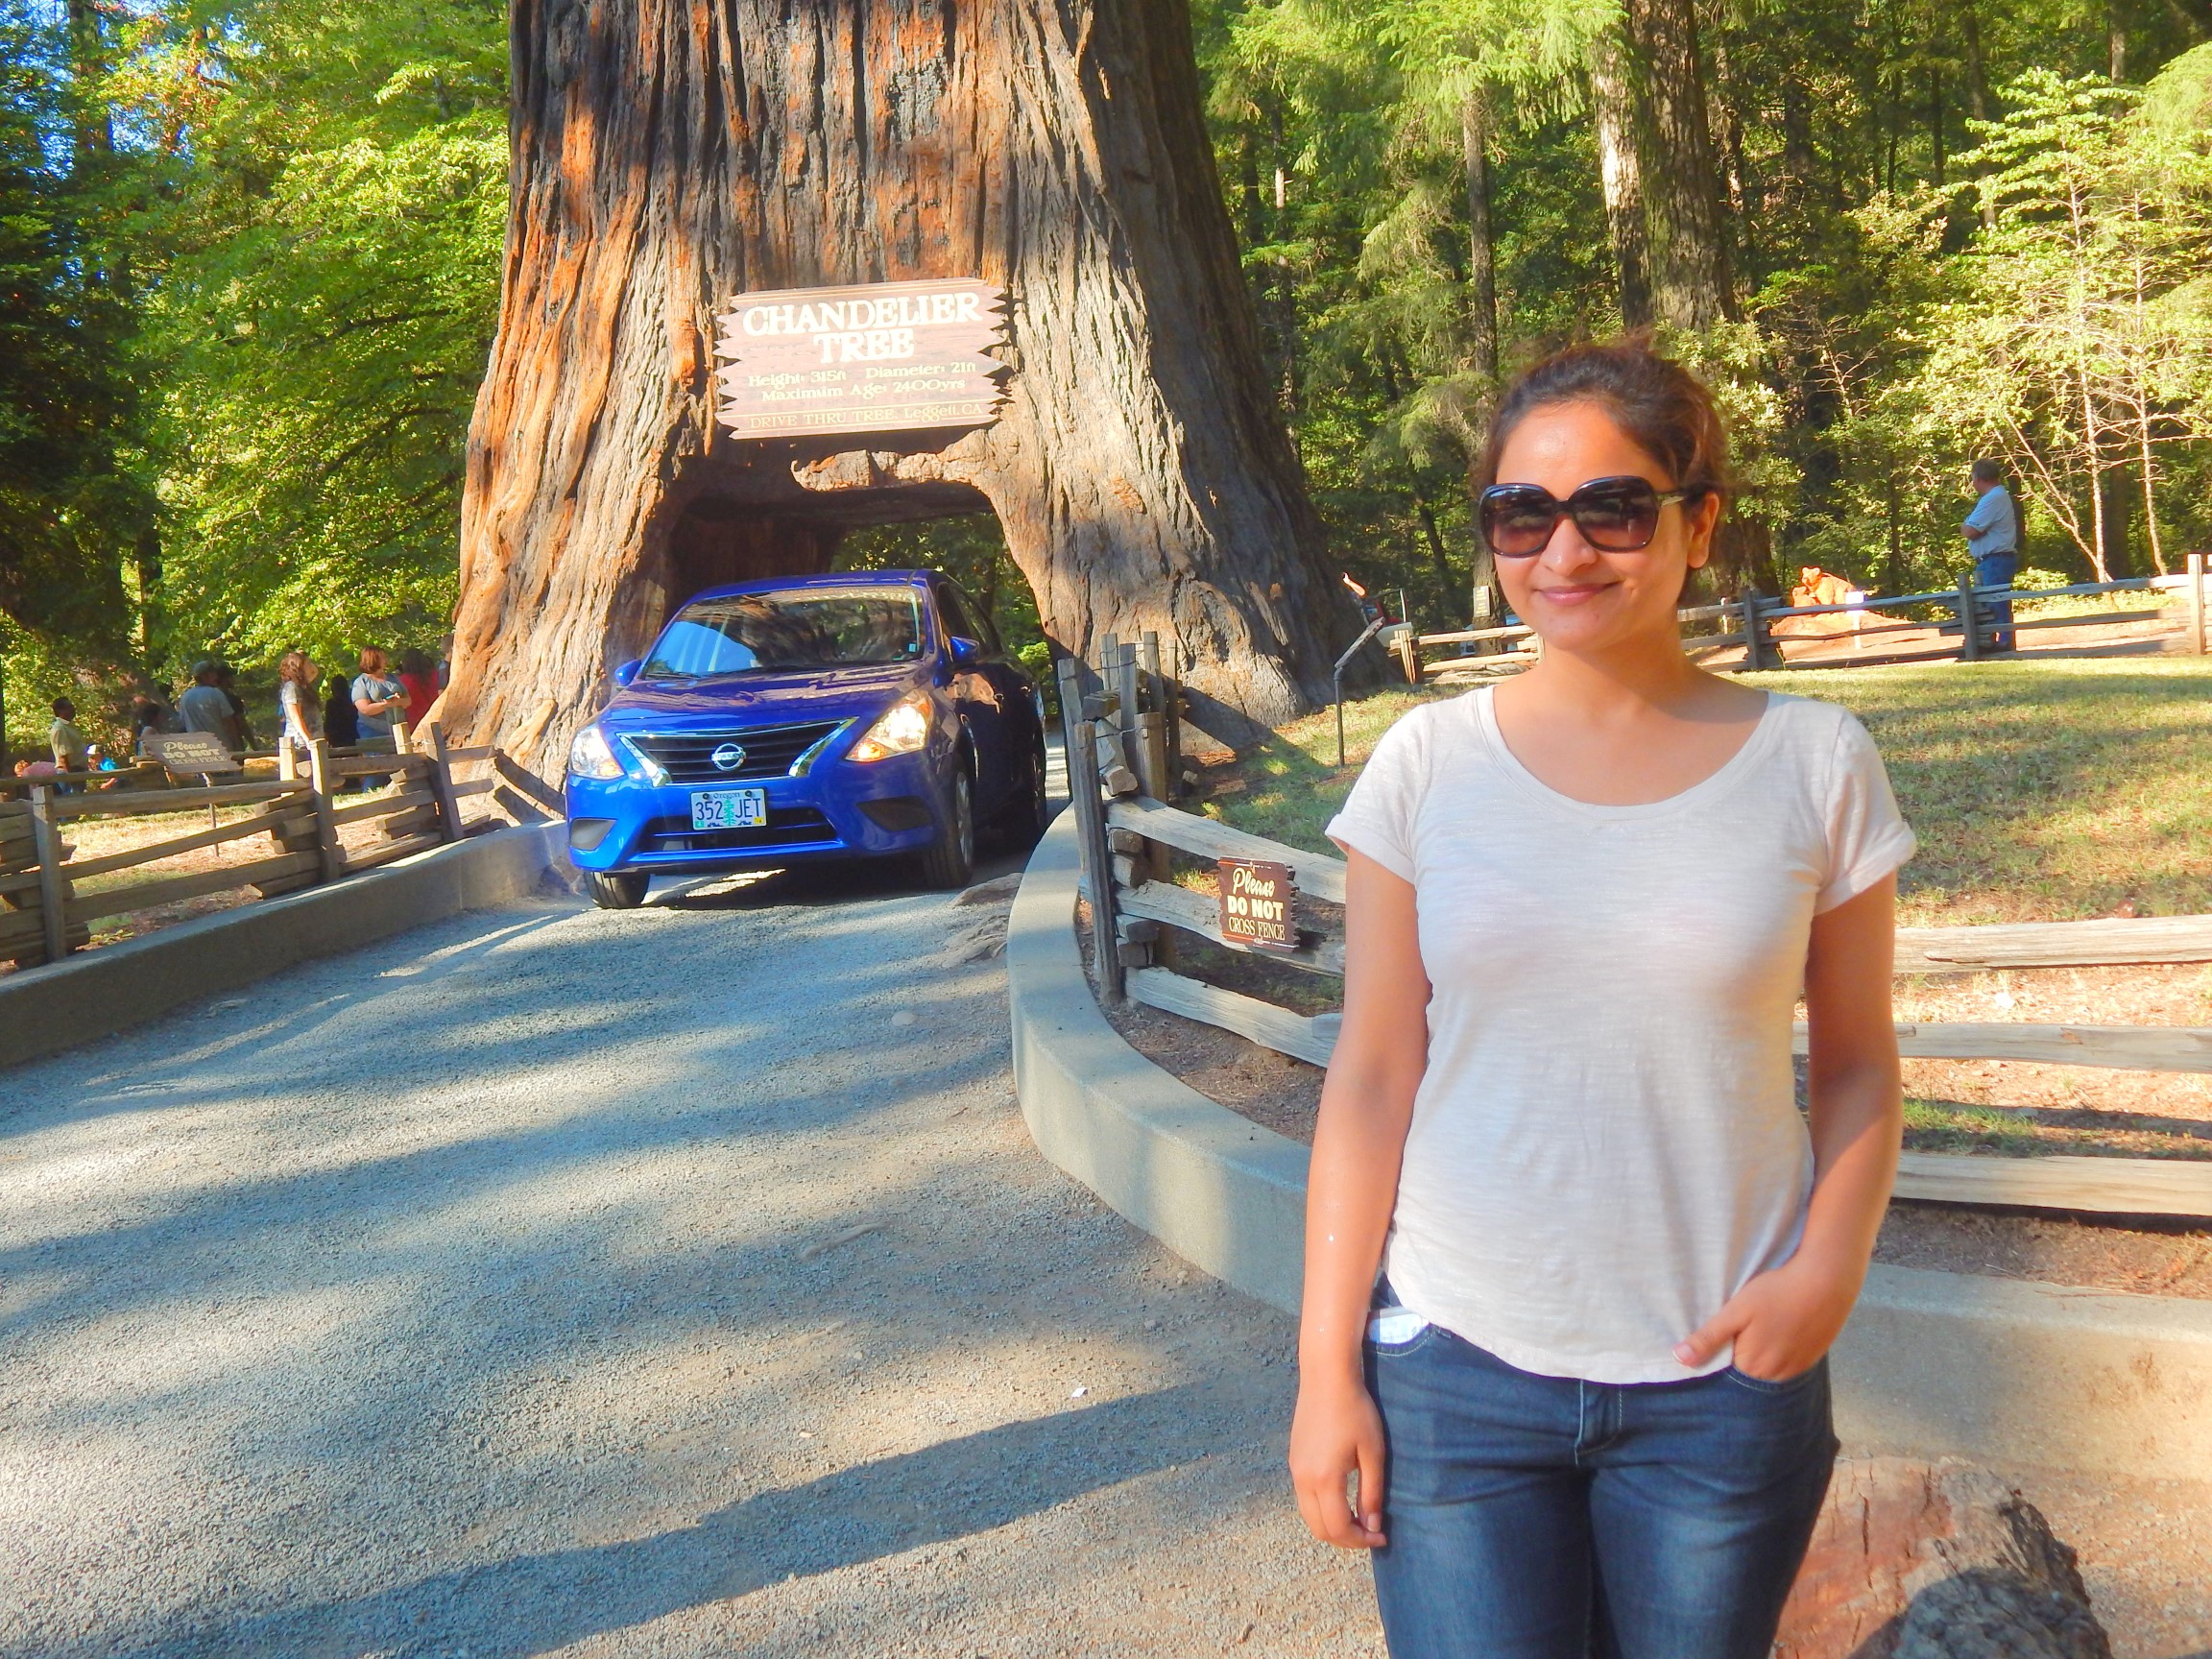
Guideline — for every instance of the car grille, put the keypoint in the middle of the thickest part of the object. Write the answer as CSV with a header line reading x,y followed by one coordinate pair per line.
x,y
786,826
770,751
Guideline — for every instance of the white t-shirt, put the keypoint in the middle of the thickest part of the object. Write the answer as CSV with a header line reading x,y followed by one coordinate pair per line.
x,y
1605,1143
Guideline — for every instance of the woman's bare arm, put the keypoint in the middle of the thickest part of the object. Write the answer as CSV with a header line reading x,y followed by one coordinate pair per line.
x,y
1781,1322
1352,1187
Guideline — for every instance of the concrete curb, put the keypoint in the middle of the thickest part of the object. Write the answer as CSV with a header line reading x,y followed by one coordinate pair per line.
x,y
97,993
1999,1370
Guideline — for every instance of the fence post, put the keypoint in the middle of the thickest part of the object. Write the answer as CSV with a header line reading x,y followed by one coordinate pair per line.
x,y
1098,860
1756,651
442,784
2196,604
1124,671
402,739
1070,672
326,830
1969,622
53,916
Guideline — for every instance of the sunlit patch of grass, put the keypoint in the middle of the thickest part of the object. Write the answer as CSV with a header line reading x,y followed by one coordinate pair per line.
x,y
1946,1126
2042,791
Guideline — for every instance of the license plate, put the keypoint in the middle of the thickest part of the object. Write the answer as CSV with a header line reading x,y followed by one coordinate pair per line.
x,y
729,810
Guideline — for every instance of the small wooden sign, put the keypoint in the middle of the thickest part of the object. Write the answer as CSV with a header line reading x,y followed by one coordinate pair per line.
x,y
1255,904
881,357
191,754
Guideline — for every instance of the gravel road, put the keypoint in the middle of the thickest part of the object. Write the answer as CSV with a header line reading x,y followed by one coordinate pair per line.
x,y
671,1281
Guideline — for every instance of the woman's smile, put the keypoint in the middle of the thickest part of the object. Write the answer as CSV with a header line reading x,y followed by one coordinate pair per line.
x,y
1572,593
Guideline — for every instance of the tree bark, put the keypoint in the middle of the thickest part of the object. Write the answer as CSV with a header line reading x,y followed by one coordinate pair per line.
x,y
1685,224
664,158
1481,248
1616,115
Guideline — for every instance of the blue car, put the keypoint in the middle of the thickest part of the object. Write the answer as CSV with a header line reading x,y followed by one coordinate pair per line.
x,y
775,723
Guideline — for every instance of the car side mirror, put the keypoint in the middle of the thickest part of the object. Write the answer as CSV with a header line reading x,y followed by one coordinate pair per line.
x,y
627,672
966,652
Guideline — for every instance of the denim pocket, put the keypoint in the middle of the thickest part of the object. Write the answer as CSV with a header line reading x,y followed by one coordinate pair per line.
x,y
1396,1330
1785,1385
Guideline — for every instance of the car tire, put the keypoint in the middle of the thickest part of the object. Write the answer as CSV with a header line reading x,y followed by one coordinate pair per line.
x,y
617,889
1022,825
950,862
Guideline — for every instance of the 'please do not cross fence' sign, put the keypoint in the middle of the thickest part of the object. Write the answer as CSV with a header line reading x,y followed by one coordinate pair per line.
x,y
881,357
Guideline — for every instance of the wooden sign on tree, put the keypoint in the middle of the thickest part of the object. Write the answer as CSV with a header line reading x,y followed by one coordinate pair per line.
x,y
878,357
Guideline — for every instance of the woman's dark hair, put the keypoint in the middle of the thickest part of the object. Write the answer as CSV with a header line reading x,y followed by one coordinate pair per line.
x,y
414,662
1666,410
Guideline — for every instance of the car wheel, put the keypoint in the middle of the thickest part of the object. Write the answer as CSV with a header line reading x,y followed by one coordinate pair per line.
x,y
951,861
1023,824
617,889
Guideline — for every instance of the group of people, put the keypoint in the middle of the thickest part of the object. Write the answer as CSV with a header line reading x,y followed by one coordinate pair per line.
x,y
358,710
350,712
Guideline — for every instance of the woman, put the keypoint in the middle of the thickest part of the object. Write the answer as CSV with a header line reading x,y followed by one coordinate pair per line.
x,y
299,719
1591,1406
419,676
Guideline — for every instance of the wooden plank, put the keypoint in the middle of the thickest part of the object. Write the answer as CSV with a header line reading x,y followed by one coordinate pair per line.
x,y
82,869
530,785
1091,845
387,766
1471,636
474,786
146,801
2055,944
1196,913
2104,1186
1263,1023
383,806
2112,1048
474,751
1317,877
54,916
371,857
145,895
442,782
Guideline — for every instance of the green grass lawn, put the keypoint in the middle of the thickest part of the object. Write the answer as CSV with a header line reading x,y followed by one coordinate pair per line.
x,y
2041,791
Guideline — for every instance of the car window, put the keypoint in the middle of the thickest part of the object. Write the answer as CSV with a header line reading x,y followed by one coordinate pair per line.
x,y
963,617
798,628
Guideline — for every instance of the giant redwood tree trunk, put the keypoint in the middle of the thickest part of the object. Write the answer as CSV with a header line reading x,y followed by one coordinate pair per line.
x,y
667,156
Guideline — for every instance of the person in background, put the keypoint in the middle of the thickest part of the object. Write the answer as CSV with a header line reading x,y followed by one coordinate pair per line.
x,y
64,738
226,682
341,721
375,695
147,718
423,681
1994,537
204,708
298,716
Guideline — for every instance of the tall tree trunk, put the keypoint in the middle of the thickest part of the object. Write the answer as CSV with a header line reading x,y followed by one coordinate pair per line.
x,y
665,157
2116,39
1616,116
1481,250
1685,224
1935,123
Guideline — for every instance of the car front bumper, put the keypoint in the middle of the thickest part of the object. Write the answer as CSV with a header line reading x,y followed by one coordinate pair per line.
x,y
843,810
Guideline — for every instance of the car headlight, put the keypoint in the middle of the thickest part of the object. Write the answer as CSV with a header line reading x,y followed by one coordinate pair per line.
x,y
900,730
590,755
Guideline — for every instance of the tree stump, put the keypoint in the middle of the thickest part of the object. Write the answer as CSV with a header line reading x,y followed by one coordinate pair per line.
x,y
1914,1560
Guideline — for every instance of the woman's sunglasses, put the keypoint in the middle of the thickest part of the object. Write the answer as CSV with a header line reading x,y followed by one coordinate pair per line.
x,y
1614,515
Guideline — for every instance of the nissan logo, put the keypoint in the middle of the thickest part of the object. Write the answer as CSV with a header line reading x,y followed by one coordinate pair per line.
x,y
729,757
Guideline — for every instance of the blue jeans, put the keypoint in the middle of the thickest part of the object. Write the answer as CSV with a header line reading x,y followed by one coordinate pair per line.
x,y
1544,1518
1991,570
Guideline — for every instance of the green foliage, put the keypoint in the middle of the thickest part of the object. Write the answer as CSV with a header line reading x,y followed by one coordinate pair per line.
x,y
330,250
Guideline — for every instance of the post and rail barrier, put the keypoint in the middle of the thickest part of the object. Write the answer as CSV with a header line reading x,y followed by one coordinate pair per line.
x,y
1137,908
45,912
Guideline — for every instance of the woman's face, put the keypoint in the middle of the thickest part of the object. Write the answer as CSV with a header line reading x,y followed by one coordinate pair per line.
x,y
1575,597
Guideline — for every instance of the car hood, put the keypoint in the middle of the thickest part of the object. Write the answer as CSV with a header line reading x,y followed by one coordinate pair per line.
x,y
739,700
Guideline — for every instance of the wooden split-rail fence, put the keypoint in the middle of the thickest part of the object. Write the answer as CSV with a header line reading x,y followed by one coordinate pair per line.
x,y
1117,729
1748,623
46,909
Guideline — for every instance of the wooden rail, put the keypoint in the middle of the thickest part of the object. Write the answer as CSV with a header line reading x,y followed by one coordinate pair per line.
x,y
48,896
1137,910
1754,616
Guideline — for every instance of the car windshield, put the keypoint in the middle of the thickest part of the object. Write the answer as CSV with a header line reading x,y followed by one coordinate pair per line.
x,y
799,629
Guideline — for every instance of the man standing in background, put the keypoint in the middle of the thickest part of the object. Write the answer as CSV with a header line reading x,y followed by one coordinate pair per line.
x,y
204,708
1994,537
66,741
